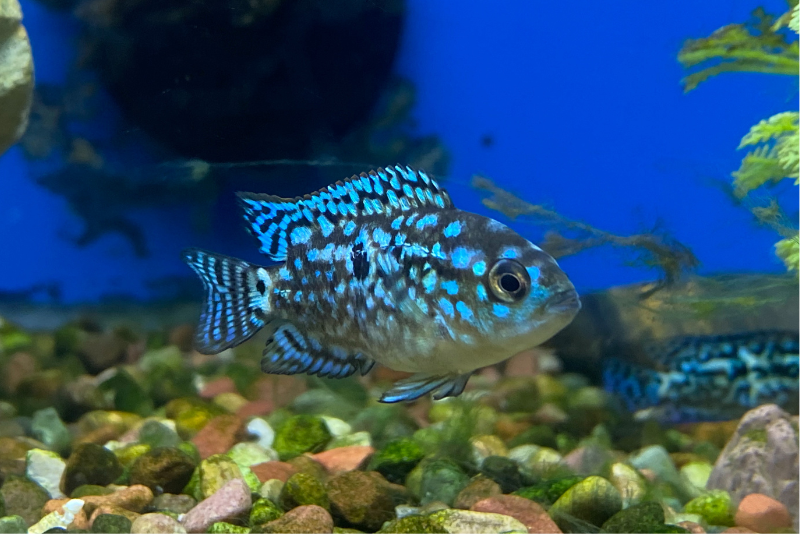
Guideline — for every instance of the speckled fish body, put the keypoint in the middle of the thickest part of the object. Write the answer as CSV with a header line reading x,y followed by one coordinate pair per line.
x,y
709,377
381,267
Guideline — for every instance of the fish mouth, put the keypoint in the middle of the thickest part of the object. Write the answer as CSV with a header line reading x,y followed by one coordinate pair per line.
x,y
564,302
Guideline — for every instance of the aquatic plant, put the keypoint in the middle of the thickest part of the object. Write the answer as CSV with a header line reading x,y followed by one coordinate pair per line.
x,y
761,46
755,46
566,237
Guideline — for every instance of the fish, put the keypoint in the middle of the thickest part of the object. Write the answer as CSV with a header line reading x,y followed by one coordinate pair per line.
x,y
382,268
708,378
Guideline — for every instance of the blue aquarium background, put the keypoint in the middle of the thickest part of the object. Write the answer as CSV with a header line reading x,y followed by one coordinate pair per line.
x,y
575,106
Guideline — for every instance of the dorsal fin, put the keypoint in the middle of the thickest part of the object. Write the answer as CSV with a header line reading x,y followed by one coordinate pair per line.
x,y
280,222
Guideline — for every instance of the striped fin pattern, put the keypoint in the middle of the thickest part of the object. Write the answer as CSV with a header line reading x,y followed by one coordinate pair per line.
x,y
235,306
289,352
279,223
415,386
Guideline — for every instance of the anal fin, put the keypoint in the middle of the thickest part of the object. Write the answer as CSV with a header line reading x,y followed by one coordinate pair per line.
x,y
290,352
417,385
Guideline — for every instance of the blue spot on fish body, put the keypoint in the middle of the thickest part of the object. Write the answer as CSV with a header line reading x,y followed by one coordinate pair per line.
x,y
465,311
462,257
428,220
479,268
325,225
481,291
298,263
397,222
500,310
429,281
453,229
509,253
300,234
349,228
447,307
451,286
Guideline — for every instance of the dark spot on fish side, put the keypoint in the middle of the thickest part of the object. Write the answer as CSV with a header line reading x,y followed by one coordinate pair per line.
x,y
360,264
261,287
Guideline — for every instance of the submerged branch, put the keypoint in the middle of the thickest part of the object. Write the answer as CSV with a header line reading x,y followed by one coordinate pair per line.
x,y
653,250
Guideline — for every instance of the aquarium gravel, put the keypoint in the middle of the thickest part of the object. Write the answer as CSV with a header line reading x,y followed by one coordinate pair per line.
x,y
175,441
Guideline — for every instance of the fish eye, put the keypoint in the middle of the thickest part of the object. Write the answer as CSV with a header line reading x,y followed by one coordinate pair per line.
x,y
509,281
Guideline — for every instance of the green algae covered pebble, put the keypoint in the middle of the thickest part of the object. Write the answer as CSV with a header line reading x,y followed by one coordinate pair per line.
x,y
47,427
548,491
643,517
594,500
191,415
504,471
715,507
411,524
129,453
222,527
90,463
441,480
264,511
216,471
456,521
111,524
396,460
24,498
303,489
12,524
167,468
157,434
301,433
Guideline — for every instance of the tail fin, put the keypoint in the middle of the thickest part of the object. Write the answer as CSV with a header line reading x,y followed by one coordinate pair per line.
x,y
236,300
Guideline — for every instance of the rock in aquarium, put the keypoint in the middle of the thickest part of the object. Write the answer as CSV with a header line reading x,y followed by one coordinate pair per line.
x,y
16,74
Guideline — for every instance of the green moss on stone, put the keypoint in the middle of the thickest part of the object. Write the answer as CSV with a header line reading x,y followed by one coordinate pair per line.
x,y
715,507
264,511
301,433
111,524
221,527
411,524
192,487
303,489
90,463
504,471
757,434
643,517
594,500
541,435
13,524
216,471
547,492
128,454
441,480
396,460
167,468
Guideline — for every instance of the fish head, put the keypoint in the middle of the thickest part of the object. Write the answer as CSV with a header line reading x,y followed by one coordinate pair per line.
x,y
521,295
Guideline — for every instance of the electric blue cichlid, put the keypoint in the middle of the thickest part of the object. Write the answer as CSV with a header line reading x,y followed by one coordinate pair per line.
x,y
382,268
707,378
